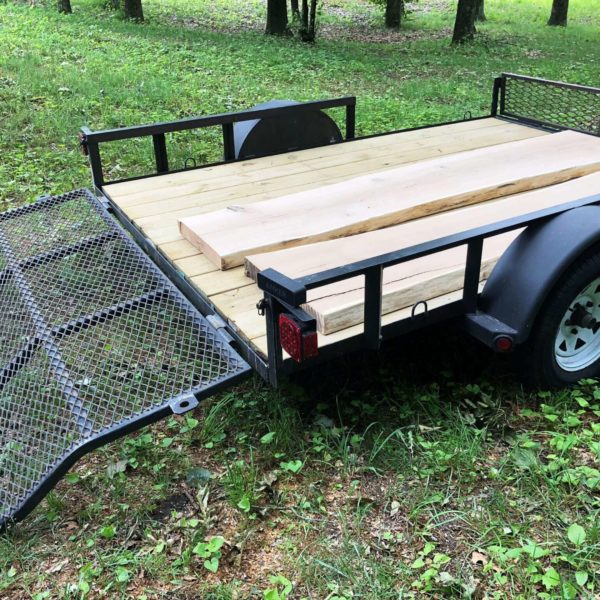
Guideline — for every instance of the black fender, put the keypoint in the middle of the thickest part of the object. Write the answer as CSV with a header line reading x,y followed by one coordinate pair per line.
x,y
532,265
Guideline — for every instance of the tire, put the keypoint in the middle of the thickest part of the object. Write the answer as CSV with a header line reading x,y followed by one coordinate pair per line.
x,y
559,353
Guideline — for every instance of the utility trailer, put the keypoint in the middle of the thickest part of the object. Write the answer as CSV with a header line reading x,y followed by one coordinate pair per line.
x,y
111,320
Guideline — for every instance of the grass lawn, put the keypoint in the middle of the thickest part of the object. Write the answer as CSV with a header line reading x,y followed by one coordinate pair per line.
x,y
422,472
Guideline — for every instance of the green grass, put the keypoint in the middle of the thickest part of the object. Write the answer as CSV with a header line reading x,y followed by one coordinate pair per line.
x,y
418,473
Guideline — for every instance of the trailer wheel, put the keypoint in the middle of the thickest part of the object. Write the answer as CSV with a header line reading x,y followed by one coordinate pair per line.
x,y
564,345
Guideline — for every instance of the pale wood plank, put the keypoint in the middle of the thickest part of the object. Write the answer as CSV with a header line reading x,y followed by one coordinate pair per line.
x,y
371,202
313,258
160,200
217,282
178,248
341,305
124,191
194,265
161,227
204,195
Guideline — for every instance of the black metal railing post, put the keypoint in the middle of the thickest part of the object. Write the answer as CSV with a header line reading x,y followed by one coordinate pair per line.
x,y
351,120
498,86
502,92
372,308
472,274
95,164
228,142
160,153
272,310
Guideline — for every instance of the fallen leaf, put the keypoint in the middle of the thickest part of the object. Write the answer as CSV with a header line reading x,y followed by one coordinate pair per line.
x,y
478,558
57,567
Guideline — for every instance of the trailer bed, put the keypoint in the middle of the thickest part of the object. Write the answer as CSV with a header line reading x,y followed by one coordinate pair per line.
x,y
155,204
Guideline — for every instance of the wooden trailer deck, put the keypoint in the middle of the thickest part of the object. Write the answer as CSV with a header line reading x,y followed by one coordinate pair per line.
x,y
156,204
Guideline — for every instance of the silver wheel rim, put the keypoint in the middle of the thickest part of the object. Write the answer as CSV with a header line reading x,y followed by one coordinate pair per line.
x,y
577,344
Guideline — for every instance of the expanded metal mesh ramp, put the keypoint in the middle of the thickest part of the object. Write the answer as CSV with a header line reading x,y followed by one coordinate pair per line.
x,y
94,342
552,104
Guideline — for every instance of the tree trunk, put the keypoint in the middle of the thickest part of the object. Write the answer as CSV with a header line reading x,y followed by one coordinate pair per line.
x,y
393,13
295,8
132,9
480,14
464,26
64,6
277,17
308,21
558,16
304,15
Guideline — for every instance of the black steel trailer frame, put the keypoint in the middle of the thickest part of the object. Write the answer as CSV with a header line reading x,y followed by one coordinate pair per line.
x,y
41,332
535,102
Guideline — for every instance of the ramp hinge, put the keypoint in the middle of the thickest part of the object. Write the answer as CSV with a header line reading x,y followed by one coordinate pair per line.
x,y
219,324
104,201
184,403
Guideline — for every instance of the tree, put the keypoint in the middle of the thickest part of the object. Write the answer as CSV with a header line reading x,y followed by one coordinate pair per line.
x,y
132,9
464,26
277,17
480,14
308,21
64,6
393,13
558,16
295,8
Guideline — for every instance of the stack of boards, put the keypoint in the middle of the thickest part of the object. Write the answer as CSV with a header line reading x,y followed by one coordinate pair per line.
x,y
333,225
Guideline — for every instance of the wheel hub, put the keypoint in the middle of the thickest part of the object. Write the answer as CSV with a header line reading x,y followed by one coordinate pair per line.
x,y
577,343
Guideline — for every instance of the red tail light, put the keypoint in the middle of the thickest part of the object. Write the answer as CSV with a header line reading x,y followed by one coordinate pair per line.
x,y
503,343
298,343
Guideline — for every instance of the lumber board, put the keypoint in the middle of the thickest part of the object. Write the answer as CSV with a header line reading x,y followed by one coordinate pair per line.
x,y
126,191
163,227
158,200
217,282
391,197
314,258
341,305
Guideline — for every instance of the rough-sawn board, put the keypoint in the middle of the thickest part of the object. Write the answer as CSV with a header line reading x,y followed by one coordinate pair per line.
x,y
374,201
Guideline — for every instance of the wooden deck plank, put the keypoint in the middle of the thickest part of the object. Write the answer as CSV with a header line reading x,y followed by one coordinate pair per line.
x,y
126,191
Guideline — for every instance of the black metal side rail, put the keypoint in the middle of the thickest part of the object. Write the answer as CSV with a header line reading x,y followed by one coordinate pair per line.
x,y
283,294
90,140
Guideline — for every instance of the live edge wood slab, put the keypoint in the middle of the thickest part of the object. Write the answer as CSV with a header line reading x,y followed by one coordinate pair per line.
x,y
341,304
387,198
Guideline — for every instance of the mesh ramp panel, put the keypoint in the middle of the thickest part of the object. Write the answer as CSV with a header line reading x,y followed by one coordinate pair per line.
x,y
551,103
94,342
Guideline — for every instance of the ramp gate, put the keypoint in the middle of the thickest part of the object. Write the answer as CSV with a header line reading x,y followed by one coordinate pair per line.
x,y
95,342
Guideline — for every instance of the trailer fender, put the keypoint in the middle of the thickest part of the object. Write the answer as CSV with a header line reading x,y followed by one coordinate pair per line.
x,y
532,265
